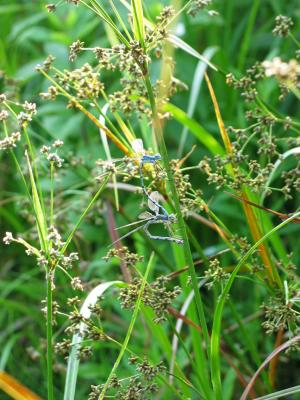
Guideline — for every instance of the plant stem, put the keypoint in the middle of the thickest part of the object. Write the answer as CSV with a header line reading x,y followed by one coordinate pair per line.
x,y
49,336
186,247
132,322
52,194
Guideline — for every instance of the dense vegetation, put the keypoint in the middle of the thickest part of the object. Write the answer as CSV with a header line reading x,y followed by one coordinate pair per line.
x,y
183,116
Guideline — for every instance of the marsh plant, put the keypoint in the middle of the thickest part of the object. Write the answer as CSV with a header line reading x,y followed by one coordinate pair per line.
x,y
195,298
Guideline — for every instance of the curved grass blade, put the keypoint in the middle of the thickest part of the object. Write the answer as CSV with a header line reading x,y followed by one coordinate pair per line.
x,y
177,42
295,150
216,329
73,360
201,134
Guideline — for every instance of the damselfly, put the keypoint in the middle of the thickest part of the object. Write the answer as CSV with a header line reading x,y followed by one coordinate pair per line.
x,y
158,215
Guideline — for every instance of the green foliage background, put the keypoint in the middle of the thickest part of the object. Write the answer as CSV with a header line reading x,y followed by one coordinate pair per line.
x,y
242,35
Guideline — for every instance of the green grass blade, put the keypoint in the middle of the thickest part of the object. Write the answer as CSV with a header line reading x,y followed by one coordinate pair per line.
x,y
138,21
73,360
40,218
130,329
177,42
200,133
216,330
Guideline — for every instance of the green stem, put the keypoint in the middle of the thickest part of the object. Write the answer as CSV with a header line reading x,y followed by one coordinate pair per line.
x,y
130,329
49,336
52,194
297,43
186,247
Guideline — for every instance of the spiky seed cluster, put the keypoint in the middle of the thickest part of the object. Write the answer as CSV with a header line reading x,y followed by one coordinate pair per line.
x,y
46,64
63,347
52,156
83,82
156,296
190,199
51,7
279,315
123,253
52,259
131,60
148,370
197,5
50,94
283,25
10,141
75,49
154,38
139,387
216,274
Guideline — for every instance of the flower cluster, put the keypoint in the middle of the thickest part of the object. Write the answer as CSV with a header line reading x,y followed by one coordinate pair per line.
x,y
197,5
285,72
10,141
52,156
53,258
156,296
131,59
215,274
138,387
190,199
283,25
25,117
123,253
279,314
83,82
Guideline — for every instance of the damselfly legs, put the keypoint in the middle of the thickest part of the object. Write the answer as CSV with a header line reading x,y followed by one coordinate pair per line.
x,y
158,215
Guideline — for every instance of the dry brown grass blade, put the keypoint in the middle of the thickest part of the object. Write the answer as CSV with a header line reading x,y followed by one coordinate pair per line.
x,y
274,353
15,389
224,134
251,218
278,214
275,360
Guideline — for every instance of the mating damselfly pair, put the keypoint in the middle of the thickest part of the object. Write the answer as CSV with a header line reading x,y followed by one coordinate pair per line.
x,y
158,214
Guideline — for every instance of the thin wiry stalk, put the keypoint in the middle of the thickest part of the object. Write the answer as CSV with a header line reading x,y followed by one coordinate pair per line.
x,y
49,337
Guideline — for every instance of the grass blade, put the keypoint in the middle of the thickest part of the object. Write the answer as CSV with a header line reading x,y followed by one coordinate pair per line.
x,y
201,134
177,42
138,21
73,360
195,90
216,330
